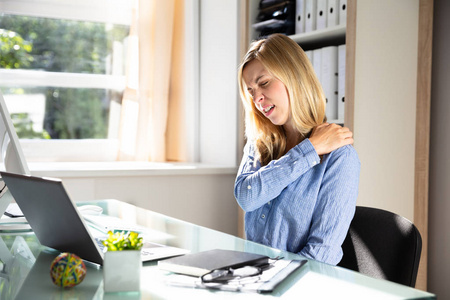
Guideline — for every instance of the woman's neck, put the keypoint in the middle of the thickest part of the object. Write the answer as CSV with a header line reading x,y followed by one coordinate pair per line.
x,y
292,137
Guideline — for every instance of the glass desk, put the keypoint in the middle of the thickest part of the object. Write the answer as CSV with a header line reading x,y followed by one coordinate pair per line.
x,y
28,276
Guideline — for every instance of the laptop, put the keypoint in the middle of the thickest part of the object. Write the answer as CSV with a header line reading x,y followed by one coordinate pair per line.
x,y
57,222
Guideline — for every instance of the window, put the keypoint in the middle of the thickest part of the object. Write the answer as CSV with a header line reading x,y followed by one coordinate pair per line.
x,y
62,74
94,84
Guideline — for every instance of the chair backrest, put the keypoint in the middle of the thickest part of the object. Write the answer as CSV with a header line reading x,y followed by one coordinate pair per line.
x,y
383,245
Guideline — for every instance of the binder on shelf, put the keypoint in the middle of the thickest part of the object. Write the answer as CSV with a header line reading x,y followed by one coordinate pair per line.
x,y
329,79
276,17
310,15
321,14
332,13
268,3
341,82
299,16
272,23
281,10
342,12
317,62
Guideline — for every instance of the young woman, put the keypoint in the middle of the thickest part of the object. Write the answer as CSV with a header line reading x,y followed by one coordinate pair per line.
x,y
298,179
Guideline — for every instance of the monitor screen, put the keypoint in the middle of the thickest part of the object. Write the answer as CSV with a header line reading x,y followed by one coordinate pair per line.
x,y
12,157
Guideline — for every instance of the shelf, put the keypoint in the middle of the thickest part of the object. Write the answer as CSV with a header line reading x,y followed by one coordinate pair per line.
x,y
336,121
332,35
268,23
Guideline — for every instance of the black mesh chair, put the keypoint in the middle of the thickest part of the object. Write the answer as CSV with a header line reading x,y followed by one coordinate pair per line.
x,y
383,245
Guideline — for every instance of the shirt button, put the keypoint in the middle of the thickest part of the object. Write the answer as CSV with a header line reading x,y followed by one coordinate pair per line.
x,y
268,202
249,187
263,216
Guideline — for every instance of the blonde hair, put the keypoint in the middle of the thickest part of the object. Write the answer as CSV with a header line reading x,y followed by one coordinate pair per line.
x,y
285,60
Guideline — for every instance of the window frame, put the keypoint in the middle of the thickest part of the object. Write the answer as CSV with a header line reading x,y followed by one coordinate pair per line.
x,y
103,11
33,78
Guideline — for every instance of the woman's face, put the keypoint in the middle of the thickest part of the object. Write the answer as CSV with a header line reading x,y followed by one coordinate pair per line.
x,y
269,94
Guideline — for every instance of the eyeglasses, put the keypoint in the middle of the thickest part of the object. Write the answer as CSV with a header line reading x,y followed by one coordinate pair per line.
x,y
238,276
223,276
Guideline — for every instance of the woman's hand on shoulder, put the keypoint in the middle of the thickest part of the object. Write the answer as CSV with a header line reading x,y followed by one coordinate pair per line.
x,y
328,137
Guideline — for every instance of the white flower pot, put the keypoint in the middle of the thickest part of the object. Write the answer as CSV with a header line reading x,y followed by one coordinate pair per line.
x,y
122,271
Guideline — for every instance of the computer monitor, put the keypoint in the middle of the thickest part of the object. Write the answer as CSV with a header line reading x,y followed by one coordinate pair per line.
x,y
12,157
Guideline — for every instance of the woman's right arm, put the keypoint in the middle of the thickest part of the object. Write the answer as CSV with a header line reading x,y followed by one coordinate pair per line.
x,y
256,185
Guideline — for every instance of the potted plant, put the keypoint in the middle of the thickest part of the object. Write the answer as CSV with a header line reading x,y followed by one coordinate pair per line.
x,y
122,262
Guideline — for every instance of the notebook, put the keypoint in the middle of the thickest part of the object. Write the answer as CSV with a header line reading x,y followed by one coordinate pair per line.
x,y
198,264
267,282
57,222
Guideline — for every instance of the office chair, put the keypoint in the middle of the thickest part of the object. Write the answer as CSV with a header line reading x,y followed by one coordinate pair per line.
x,y
383,245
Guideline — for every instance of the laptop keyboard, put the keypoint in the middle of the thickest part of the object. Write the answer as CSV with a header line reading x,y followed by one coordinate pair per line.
x,y
99,243
106,223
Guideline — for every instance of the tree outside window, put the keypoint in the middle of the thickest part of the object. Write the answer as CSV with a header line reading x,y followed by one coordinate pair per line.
x,y
65,46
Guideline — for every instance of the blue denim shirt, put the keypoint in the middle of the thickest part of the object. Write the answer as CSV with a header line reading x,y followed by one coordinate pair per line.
x,y
298,203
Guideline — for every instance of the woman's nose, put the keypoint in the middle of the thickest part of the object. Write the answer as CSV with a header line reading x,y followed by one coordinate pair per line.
x,y
258,97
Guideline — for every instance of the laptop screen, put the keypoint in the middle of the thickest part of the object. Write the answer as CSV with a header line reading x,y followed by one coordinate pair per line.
x,y
52,215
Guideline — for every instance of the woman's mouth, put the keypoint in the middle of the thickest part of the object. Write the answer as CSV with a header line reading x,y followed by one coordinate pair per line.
x,y
268,109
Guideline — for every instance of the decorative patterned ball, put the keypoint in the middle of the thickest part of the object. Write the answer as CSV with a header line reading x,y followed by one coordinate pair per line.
x,y
67,270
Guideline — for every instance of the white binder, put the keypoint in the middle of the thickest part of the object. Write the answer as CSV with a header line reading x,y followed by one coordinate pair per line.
x,y
310,15
317,63
332,13
341,82
321,14
309,53
299,16
342,12
329,76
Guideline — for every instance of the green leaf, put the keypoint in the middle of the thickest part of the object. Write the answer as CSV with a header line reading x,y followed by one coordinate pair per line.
x,y
123,240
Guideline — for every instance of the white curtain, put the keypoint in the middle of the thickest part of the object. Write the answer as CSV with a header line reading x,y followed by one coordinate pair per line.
x,y
155,54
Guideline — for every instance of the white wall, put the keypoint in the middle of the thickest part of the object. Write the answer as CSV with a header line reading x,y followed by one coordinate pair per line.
x,y
218,82
385,103
439,196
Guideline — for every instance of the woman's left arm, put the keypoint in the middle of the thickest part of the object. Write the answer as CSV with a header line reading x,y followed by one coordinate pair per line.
x,y
335,207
